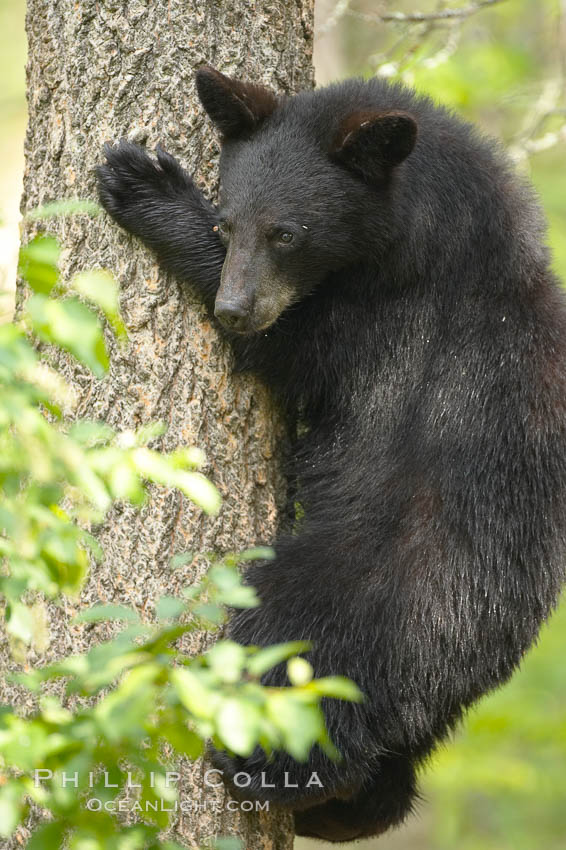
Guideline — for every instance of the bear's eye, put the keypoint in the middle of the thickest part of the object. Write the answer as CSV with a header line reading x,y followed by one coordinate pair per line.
x,y
223,229
286,237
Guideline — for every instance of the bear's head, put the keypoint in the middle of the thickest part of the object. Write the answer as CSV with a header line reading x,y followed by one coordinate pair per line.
x,y
304,191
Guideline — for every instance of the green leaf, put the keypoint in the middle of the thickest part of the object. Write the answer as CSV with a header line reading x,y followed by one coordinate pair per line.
x,y
93,546
48,836
301,724
151,801
201,700
231,591
162,469
169,608
10,808
264,659
238,724
38,263
20,621
328,747
123,712
258,552
107,612
240,597
223,577
101,288
228,843
72,326
227,660
200,490
181,560
125,483
137,838
71,206
149,432
16,354
338,687
210,613
89,433
182,740
53,712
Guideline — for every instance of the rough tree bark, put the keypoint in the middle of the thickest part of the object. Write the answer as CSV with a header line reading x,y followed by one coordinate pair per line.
x,y
101,70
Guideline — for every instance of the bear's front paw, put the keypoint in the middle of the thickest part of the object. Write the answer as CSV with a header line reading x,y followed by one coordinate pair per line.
x,y
136,189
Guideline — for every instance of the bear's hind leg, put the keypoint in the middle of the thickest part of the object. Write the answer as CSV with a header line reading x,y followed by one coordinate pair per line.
x,y
383,803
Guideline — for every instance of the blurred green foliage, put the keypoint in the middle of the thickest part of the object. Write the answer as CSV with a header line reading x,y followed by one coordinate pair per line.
x,y
155,703
53,474
508,62
497,67
500,785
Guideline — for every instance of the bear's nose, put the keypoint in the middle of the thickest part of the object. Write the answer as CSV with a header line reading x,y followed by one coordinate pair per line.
x,y
232,314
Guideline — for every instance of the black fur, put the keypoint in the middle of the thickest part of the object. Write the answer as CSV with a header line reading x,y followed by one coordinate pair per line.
x,y
413,321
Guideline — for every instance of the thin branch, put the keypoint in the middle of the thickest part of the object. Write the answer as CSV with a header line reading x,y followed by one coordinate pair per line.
x,y
337,13
529,140
542,143
423,17
418,32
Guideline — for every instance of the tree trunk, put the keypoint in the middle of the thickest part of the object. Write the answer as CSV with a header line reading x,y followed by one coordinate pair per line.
x,y
101,70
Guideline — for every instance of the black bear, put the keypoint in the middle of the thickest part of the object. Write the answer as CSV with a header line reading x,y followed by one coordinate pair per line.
x,y
376,261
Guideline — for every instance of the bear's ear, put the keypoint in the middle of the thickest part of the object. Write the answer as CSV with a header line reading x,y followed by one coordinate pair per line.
x,y
235,107
371,143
